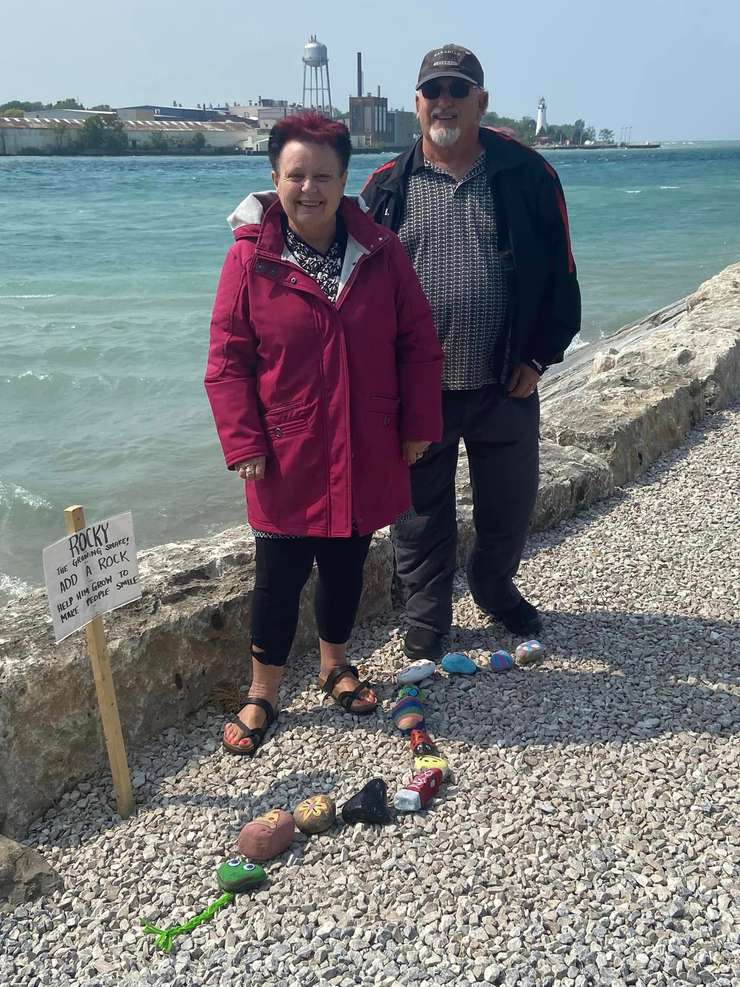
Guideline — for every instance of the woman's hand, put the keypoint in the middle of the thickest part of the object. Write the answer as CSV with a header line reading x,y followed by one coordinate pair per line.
x,y
251,469
413,451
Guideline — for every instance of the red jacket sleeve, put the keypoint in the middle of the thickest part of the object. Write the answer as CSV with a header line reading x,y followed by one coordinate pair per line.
x,y
418,354
231,374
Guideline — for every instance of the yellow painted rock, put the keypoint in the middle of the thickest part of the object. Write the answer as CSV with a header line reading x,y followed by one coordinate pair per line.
x,y
315,814
429,761
267,835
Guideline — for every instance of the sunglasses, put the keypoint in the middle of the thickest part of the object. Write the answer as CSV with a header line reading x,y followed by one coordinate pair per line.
x,y
458,89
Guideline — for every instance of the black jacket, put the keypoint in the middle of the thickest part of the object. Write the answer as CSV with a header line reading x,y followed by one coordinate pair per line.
x,y
545,309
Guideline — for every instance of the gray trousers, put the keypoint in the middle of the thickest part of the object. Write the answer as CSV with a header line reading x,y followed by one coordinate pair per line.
x,y
501,437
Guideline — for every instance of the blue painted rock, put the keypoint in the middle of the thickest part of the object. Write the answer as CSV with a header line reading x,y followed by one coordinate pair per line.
x,y
410,690
457,664
267,835
528,652
417,671
501,661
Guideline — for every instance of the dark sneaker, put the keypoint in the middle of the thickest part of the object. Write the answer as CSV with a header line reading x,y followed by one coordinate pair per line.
x,y
422,643
522,620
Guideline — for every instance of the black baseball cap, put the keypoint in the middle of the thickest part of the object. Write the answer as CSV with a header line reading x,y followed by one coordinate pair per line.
x,y
450,61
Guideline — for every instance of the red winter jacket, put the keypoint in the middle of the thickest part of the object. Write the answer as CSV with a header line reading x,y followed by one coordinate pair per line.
x,y
327,392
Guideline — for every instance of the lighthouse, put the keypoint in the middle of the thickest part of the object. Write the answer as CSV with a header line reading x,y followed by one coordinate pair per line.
x,y
541,117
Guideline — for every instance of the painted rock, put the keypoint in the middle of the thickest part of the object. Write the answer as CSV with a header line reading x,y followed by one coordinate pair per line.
x,y
238,874
528,652
501,661
369,805
417,671
412,691
315,814
419,791
408,714
457,664
267,835
422,743
430,761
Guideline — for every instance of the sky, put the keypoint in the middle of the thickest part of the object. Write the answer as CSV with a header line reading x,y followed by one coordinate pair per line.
x,y
669,69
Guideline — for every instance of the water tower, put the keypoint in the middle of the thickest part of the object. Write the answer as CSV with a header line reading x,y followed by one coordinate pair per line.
x,y
541,117
316,88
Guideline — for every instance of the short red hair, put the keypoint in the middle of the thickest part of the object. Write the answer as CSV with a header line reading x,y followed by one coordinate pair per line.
x,y
310,127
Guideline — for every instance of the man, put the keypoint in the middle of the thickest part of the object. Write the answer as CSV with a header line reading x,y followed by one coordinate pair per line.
x,y
483,219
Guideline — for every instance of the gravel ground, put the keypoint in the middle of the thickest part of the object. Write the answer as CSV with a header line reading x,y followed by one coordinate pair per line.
x,y
589,836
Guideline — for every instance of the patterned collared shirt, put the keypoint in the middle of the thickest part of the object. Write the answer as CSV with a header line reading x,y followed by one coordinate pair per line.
x,y
449,231
325,269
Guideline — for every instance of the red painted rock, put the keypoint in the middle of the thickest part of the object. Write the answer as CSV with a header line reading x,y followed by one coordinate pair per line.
x,y
267,835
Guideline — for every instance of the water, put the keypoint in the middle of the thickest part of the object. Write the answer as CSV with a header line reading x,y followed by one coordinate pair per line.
x,y
107,273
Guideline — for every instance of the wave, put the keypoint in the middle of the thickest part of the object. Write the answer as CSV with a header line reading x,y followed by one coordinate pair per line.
x,y
669,186
12,494
11,586
577,343
27,296
632,191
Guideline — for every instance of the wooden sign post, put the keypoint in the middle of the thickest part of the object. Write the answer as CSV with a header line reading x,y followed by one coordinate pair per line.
x,y
100,558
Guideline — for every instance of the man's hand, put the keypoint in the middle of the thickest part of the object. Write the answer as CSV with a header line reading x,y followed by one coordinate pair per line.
x,y
523,381
413,451
251,469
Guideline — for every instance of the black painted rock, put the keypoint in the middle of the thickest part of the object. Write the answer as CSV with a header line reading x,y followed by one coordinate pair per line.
x,y
369,805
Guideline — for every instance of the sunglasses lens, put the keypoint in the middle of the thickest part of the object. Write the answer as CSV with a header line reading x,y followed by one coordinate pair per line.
x,y
458,89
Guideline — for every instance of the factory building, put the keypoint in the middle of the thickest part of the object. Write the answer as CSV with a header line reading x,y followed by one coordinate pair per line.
x,y
54,135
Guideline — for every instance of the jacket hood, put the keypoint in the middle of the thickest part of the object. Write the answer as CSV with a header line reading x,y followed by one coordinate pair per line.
x,y
250,211
257,217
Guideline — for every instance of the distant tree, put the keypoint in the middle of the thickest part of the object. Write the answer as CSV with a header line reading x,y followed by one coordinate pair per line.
x,y
578,128
589,134
102,106
198,142
19,104
606,136
102,134
12,112
158,142
66,104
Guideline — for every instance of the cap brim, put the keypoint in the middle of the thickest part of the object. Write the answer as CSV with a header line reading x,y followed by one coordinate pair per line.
x,y
447,74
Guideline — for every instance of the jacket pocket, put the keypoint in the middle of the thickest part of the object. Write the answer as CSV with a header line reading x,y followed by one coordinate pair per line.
x,y
283,430
380,405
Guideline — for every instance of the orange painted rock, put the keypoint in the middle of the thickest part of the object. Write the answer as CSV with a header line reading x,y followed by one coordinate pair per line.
x,y
267,835
315,814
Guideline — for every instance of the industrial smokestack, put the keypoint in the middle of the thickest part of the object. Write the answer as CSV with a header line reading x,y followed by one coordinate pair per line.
x,y
359,73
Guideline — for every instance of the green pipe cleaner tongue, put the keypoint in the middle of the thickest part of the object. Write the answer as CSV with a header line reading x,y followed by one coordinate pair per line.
x,y
164,937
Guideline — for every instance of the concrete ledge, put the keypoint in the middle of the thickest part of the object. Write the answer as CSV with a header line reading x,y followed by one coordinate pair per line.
x,y
609,411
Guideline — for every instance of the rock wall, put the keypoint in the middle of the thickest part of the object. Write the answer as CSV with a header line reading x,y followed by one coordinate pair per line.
x,y
607,412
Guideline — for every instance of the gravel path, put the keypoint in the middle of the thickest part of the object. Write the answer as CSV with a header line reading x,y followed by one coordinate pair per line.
x,y
590,835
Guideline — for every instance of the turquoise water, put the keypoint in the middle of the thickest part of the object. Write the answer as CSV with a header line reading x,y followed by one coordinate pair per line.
x,y
107,273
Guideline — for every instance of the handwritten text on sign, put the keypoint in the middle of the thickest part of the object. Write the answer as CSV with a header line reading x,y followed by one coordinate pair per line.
x,y
91,572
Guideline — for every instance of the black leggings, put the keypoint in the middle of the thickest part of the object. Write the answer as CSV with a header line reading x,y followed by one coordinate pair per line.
x,y
282,568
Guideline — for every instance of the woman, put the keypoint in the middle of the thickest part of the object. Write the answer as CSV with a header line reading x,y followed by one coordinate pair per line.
x,y
324,377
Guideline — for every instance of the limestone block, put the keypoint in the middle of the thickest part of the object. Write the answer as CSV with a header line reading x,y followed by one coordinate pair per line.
x,y
24,875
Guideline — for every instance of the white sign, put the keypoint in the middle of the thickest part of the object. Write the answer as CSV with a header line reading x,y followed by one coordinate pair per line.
x,y
90,573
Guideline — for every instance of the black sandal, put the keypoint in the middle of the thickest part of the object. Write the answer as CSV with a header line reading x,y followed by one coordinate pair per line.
x,y
255,734
345,699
